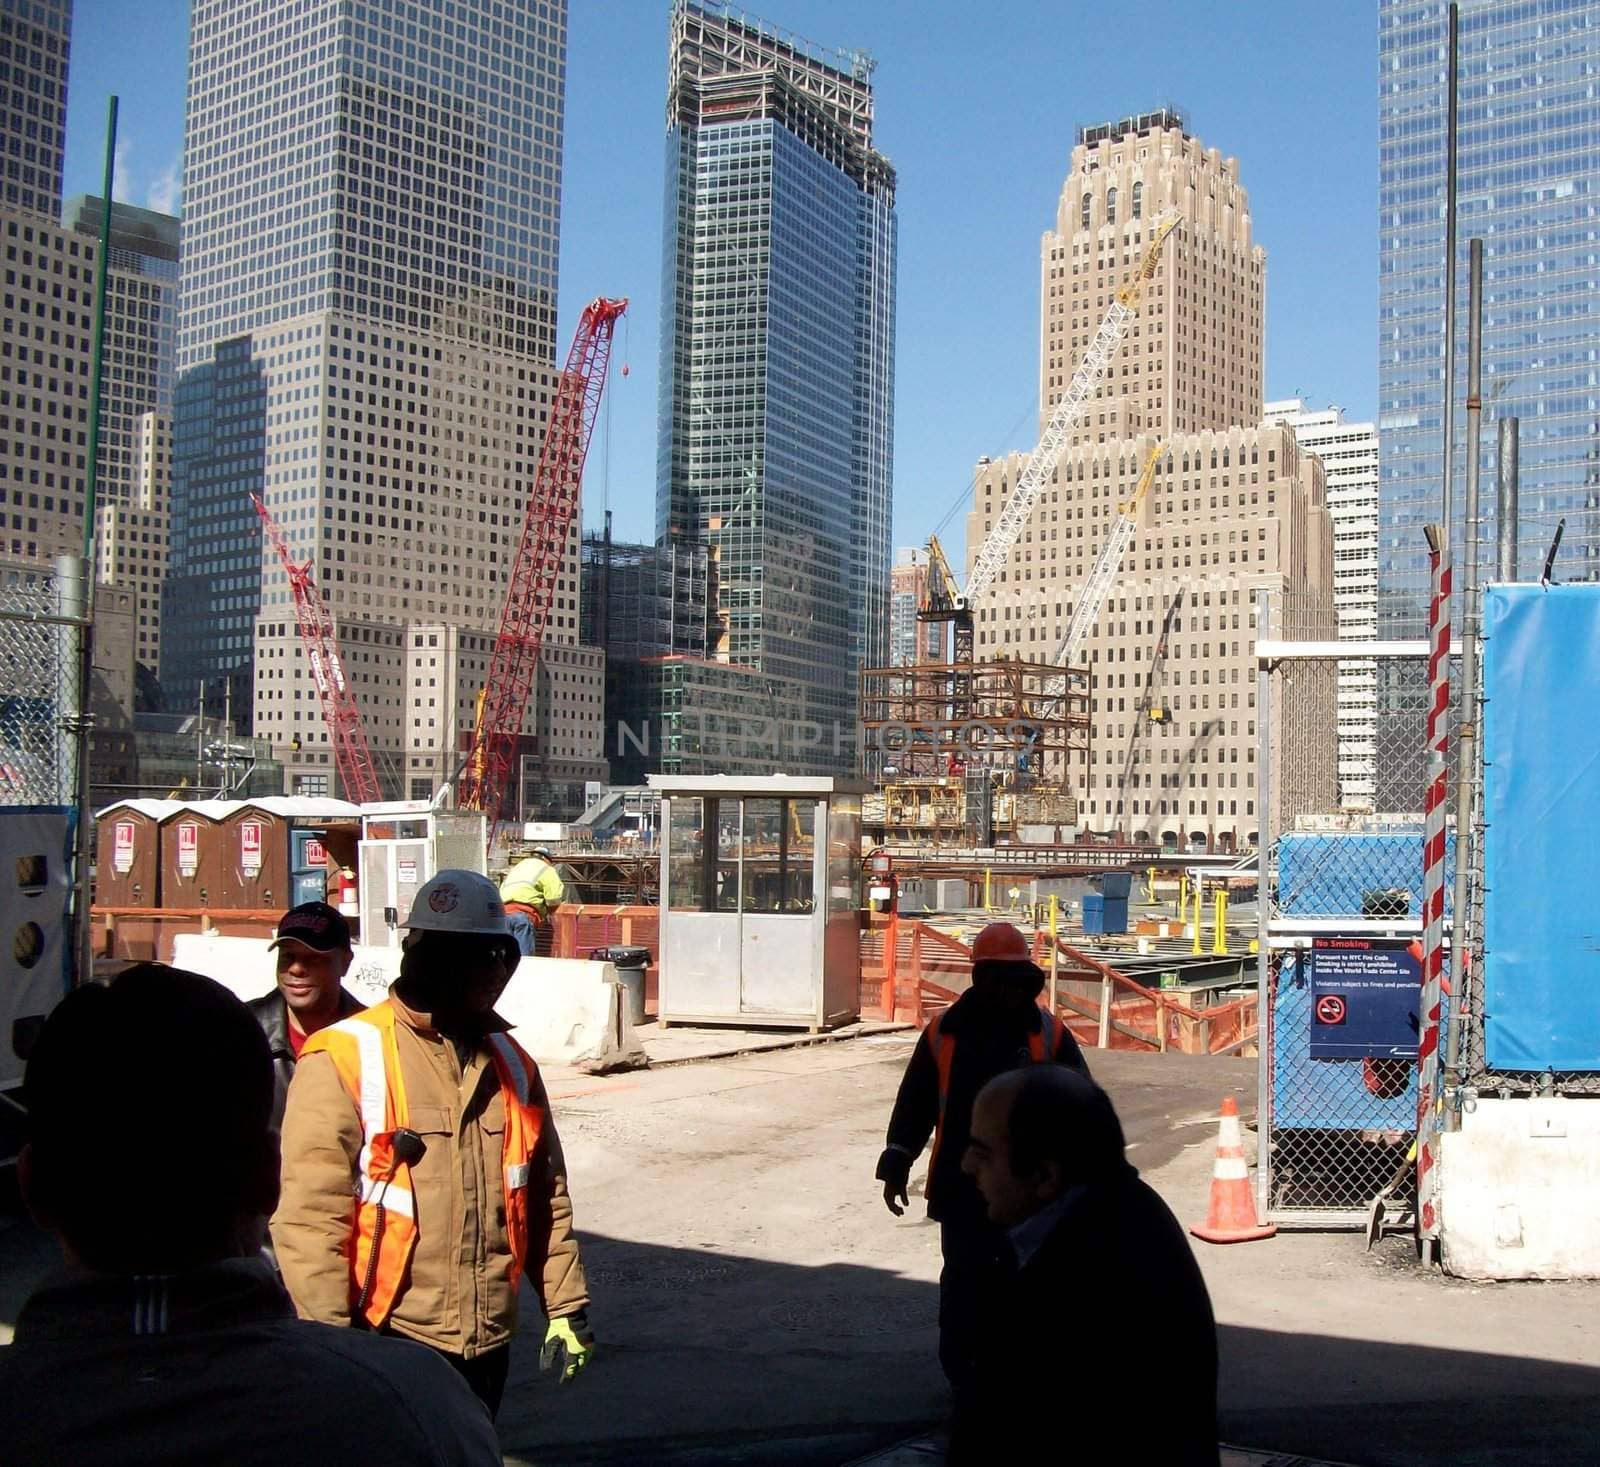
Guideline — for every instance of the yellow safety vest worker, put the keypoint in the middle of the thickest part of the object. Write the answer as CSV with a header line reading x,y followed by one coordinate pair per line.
x,y
1043,1044
534,883
364,1053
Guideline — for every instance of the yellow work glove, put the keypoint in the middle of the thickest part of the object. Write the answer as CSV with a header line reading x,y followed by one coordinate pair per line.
x,y
568,1343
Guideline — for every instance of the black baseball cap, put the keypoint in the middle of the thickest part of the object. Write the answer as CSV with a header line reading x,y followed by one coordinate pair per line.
x,y
315,925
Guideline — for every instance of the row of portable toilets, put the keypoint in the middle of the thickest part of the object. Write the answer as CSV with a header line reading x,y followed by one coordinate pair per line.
x,y
228,855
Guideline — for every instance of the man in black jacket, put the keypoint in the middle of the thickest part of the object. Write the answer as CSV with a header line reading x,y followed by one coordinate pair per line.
x,y
313,946
995,1026
1086,1241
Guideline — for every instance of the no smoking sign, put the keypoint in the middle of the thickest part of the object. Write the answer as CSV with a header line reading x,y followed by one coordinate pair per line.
x,y
1330,1009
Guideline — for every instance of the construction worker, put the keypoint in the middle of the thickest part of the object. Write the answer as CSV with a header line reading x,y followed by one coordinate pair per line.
x,y
422,1171
996,1025
532,890
314,954
1079,1227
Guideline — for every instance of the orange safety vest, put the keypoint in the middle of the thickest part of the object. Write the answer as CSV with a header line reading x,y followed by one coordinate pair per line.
x,y
364,1053
1042,1046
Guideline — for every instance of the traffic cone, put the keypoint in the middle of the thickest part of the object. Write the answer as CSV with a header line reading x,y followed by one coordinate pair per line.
x,y
1231,1218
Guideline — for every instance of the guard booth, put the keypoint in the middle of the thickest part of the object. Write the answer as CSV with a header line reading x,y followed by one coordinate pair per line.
x,y
402,844
760,899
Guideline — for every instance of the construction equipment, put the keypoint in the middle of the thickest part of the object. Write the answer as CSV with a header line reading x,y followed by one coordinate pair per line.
x,y
946,602
486,775
997,548
352,757
1151,707
1098,585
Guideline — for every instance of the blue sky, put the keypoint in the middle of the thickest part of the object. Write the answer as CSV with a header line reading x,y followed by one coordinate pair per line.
x,y
976,106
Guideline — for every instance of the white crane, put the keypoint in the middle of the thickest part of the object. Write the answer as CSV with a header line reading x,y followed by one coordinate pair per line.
x,y
1002,539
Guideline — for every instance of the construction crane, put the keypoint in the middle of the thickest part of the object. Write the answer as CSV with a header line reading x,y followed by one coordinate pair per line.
x,y
1151,707
1104,574
1002,539
351,754
486,774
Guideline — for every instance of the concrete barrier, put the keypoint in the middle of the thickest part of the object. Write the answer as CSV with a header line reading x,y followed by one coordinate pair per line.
x,y
562,1010
1519,1190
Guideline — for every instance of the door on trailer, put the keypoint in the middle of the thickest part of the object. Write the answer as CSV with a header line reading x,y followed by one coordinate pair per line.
x,y
779,962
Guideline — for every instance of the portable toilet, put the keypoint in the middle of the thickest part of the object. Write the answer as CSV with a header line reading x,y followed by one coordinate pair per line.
x,y
189,867
127,869
272,850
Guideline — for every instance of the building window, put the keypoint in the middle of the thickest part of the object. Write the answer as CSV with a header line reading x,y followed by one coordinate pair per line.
x,y
1138,201
1083,215
1111,205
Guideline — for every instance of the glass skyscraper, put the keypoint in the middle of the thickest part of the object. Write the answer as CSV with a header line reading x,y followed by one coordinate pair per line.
x,y
777,353
1529,185
366,339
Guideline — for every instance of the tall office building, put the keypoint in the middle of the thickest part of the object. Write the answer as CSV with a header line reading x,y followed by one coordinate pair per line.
x,y
910,641
1349,454
1235,508
35,39
777,356
366,339
135,464
1529,160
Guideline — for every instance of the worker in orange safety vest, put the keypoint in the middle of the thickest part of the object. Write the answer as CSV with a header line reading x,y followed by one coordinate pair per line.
x,y
996,1025
422,1172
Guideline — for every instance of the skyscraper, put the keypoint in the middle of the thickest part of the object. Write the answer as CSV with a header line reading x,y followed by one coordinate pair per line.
x,y
366,340
1529,160
35,38
777,353
1349,454
1234,507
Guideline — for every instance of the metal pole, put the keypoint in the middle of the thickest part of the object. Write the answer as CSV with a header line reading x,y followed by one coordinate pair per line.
x,y
1265,1038
82,584
1446,506
1433,887
1467,727
1507,487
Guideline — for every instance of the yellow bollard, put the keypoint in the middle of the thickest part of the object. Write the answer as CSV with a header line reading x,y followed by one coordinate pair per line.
x,y
1052,953
1150,886
1197,949
988,904
1219,931
1183,895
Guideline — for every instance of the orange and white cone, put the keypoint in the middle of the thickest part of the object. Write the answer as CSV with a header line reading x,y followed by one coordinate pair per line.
x,y
1231,1218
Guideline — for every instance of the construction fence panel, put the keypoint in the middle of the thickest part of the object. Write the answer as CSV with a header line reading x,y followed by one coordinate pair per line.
x,y
38,659
1342,757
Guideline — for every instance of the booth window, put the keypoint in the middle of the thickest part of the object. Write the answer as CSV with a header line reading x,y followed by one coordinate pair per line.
x,y
779,852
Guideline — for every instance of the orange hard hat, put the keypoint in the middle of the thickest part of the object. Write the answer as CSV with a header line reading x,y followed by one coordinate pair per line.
x,y
1000,942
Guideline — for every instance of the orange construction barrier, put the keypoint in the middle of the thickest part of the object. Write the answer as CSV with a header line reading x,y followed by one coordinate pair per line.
x,y
1231,1218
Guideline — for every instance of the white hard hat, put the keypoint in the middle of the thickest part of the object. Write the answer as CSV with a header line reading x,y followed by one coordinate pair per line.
x,y
458,901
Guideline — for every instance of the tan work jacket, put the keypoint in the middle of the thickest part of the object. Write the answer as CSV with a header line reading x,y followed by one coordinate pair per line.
x,y
461,1296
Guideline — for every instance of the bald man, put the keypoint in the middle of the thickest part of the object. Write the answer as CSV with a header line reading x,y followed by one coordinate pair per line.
x,y
1095,1274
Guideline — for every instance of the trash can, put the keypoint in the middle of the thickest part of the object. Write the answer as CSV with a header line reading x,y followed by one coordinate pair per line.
x,y
630,963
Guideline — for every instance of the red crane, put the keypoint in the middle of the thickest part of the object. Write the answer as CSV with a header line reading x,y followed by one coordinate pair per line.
x,y
486,775
339,710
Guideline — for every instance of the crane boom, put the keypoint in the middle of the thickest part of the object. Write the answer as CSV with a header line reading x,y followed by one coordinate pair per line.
x,y
351,754
557,481
996,549
1106,566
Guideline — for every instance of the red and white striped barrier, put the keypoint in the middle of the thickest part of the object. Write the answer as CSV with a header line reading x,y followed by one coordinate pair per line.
x,y
1433,895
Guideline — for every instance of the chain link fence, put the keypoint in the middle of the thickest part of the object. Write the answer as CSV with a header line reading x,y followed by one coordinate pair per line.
x,y
38,660
1343,859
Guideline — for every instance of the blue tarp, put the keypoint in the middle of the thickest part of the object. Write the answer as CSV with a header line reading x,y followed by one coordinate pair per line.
x,y
1541,750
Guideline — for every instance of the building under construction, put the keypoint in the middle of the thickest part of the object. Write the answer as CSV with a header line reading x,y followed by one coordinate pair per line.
x,y
973,752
